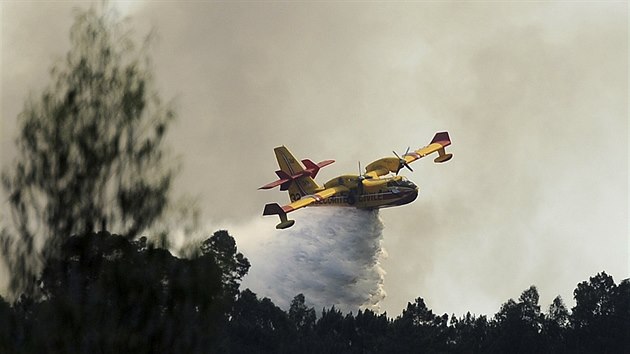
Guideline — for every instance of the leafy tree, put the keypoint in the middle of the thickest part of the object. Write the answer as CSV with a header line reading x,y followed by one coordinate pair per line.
x,y
555,326
7,327
330,332
419,329
518,324
530,309
258,326
558,313
371,332
600,318
302,316
594,299
621,316
108,293
470,334
90,147
418,314
222,247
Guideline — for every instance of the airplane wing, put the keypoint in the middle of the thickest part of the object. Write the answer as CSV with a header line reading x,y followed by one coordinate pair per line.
x,y
439,142
386,165
281,211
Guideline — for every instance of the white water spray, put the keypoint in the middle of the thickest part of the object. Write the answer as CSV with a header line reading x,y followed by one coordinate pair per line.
x,y
331,255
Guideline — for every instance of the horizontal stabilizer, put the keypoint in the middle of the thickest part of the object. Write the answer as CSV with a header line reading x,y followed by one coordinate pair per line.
x,y
443,157
275,209
274,184
285,178
312,168
285,224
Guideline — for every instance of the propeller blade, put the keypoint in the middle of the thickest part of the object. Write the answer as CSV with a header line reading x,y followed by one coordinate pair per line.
x,y
405,163
361,176
402,162
399,163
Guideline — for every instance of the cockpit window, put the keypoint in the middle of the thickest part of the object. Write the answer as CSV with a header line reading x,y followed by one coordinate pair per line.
x,y
402,182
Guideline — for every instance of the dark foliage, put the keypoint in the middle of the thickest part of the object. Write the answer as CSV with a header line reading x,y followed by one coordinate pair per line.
x,y
107,294
91,151
600,320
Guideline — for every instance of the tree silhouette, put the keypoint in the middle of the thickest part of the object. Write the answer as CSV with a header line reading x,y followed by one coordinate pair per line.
x,y
258,326
518,324
7,327
222,247
601,316
90,147
419,329
108,293
470,334
302,316
555,326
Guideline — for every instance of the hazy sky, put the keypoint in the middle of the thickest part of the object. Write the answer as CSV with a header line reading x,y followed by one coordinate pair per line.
x,y
534,95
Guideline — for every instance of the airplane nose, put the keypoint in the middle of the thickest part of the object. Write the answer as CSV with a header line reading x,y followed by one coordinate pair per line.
x,y
408,195
413,194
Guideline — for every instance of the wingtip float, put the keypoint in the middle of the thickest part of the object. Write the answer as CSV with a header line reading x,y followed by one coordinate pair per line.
x,y
376,188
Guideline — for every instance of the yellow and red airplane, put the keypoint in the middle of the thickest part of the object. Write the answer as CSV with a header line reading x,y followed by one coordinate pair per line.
x,y
377,188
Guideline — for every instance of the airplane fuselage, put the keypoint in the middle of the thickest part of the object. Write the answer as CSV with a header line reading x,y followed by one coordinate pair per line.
x,y
379,187
369,193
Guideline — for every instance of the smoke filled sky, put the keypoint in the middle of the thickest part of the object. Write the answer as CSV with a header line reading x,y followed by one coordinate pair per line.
x,y
533,94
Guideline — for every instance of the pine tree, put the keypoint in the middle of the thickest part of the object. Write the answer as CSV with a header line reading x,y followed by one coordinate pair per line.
x,y
90,147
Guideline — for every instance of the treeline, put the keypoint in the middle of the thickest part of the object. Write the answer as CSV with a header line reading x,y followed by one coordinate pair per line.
x,y
106,294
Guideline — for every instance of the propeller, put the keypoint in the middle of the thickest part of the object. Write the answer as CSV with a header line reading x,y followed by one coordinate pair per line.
x,y
361,176
402,162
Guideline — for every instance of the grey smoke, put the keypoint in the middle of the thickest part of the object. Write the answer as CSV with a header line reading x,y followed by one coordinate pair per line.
x,y
534,94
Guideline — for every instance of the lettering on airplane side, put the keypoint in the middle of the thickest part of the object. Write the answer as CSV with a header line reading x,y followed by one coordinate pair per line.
x,y
344,200
371,197
334,200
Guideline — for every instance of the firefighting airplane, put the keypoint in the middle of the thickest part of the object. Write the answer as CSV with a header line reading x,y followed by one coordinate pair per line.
x,y
377,188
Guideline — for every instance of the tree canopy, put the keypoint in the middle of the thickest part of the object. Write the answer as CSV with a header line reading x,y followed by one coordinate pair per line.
x,y
106,293
90,146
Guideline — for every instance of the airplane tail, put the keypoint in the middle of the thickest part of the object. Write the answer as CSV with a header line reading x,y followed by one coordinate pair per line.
x,y
299,182
275,209
443,139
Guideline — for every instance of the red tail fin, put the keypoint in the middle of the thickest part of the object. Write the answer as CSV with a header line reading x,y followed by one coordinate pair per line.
x,y
441,138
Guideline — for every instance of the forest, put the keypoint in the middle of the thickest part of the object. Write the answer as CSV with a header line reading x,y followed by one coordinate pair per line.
x,y
91,158
107,294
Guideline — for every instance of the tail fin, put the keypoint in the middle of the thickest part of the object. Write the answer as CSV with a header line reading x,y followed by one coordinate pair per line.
x,y
287,162
443,139
300,186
